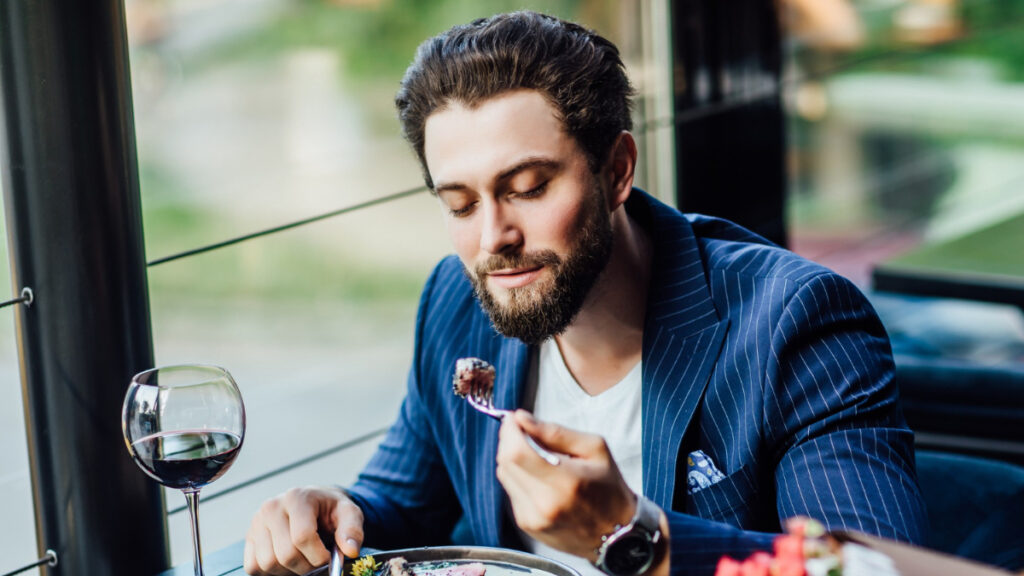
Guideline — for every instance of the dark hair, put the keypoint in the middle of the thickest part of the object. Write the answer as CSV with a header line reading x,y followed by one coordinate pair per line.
x,y
577,70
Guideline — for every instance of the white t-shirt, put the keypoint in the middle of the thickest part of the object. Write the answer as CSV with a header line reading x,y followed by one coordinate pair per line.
x,y
613,414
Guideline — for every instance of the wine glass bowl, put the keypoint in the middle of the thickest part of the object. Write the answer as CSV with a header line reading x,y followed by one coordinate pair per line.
x,y
184,426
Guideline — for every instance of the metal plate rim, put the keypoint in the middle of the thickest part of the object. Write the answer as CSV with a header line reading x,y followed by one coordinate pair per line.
x,y
475,553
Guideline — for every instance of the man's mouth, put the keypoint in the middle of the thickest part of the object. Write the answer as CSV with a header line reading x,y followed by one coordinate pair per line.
x,y
514,277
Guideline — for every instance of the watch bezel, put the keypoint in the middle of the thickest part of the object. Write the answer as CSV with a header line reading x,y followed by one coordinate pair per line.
x,y
618,551
643,526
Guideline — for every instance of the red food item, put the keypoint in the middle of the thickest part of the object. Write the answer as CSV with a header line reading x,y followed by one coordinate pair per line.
x,y
797,526
789,567
757,565
789,546
727,567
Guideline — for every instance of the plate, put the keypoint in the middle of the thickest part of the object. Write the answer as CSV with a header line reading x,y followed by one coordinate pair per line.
x,y
499,561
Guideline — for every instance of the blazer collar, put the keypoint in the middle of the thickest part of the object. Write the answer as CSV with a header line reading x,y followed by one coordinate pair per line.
x,y
679,296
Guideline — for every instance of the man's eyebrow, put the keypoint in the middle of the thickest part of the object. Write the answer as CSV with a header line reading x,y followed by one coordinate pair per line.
x,y
525,164
448,187
528,163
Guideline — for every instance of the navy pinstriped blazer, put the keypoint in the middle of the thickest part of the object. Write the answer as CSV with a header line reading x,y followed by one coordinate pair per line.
x,y
775,367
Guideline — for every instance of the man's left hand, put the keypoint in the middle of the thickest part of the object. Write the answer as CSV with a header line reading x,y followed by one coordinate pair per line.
x,y
568,506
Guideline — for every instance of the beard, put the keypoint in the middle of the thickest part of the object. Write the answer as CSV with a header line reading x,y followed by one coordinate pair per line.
x,y
540,310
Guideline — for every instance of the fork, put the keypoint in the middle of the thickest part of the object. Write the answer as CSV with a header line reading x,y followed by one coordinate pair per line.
x,y
481,400
336,567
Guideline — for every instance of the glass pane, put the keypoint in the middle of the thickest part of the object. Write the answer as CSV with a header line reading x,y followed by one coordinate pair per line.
x,y
906,146
17,531
904,124
252,115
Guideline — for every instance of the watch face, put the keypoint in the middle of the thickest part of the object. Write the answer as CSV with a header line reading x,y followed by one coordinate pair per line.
x,y
630,555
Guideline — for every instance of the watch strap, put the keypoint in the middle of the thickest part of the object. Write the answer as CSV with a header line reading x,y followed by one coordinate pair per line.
x,y
648,517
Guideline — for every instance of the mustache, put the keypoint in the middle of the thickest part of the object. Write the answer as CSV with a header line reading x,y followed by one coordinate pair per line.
x,y
525,260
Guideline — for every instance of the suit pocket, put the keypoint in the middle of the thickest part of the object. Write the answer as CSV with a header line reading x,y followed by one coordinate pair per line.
x,y
728,500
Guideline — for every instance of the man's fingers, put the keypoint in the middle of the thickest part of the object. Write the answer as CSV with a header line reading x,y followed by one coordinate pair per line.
x,y
249,556
559,438
349,535
512,446
263,552
285,535
530,498
302,527
288,555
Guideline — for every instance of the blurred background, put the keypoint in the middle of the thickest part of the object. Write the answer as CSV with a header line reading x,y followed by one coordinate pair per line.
x,y
897,124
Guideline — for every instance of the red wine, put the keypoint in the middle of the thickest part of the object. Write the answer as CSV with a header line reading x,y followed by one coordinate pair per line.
x,y
186,459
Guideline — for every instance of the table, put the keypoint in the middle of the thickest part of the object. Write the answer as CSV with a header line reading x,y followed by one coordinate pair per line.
x,y
985,265
227,560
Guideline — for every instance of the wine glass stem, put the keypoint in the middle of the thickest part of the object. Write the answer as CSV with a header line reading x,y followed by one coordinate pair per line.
x,y
192,499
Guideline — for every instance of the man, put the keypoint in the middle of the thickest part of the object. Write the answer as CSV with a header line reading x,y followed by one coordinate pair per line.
x,y
699,383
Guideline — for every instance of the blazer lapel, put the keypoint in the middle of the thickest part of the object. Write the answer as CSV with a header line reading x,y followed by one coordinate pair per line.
x,y
683,337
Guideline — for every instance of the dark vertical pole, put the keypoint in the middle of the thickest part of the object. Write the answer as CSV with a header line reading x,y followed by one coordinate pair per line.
x,y
730,162
71,189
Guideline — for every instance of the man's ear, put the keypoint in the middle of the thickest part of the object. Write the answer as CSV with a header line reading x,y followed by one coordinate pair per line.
x,y
620,169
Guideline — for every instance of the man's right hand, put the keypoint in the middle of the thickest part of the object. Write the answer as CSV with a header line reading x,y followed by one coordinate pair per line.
x,y
284,537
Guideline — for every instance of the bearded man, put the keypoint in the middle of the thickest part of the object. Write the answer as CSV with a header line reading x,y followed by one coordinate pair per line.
x,y
699,384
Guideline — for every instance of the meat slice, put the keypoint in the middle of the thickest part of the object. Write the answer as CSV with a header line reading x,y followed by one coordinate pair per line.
x,y
473,377
398,566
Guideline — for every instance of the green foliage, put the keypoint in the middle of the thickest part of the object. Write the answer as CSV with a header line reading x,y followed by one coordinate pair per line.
x,y
374,40
991,33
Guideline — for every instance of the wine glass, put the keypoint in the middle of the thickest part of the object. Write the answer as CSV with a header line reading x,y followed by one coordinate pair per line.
x,y
184,427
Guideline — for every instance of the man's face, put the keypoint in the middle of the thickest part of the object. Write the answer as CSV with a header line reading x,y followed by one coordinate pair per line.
x,y
528,219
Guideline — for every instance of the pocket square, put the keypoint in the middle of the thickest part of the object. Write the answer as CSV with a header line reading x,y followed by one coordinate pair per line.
x,y
701,472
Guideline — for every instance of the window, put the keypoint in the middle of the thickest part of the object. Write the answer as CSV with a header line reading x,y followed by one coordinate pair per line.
x,y
17,531
903,124
249,115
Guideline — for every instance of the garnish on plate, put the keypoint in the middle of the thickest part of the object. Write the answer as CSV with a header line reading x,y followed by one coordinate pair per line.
x,y
365,566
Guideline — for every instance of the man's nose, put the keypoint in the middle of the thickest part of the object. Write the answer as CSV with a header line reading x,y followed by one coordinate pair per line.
x,y
500,231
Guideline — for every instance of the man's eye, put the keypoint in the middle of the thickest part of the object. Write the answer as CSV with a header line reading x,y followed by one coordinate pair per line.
x,y
464,211
532,192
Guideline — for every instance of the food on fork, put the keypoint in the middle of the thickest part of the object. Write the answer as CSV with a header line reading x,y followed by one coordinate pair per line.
x,y
473,377
474,381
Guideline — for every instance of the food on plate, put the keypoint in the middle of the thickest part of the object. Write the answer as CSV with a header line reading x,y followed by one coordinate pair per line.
x,y
399,566
807,550
471,569
365,566
473,377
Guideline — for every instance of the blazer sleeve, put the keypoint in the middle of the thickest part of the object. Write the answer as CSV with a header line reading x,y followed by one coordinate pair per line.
x,y
835,439
405,492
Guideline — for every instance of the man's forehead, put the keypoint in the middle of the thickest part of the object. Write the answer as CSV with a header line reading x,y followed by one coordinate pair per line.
x,y
491,137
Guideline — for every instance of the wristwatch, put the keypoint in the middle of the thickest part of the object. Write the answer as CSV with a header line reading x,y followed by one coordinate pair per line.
x,y
632,549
